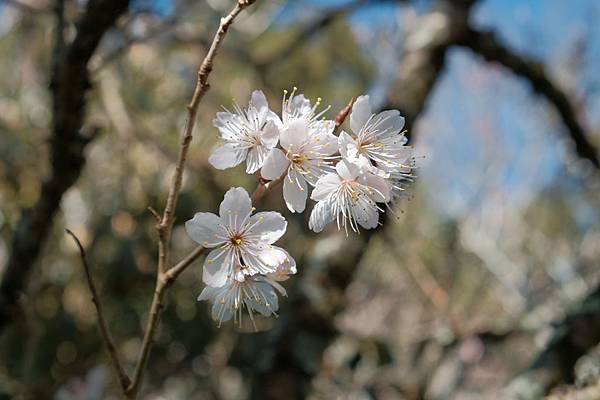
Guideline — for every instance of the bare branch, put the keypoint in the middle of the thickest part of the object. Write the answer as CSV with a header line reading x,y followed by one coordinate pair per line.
x,y
264,187
154,213
174,272
108,340
487,45
165,276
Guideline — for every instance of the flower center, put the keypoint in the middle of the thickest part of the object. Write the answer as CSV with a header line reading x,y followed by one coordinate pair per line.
x,y
236,240
298,158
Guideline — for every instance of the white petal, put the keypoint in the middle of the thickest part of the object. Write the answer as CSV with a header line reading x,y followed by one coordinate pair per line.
x,y
256,158
401,157
226,156
294,191
217,267
205,229
253,261
270,134
221,312
275,165
267,301
285,269
348,146
269,226
299,105
321,215
366,215
325,185
347,170
381,187
326,145
273,256
387,123
361,112
235,207
228,125
259,100
208,293
294,136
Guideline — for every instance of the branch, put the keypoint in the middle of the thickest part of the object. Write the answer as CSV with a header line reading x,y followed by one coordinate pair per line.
x,y
69,85
487,45
166,276
110,343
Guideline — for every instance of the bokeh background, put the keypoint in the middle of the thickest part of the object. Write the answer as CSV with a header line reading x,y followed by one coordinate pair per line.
x,y
482,284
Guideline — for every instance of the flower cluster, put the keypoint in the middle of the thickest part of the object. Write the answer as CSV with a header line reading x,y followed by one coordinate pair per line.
x,y
243,267
352,174
351,177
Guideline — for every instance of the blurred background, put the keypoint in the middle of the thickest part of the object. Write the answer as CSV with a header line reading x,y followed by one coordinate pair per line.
x,y
481,285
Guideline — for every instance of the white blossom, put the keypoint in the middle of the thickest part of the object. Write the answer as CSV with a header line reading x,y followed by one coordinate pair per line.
x,y
255,293
376,137
239,238
248,134
307,148
307,154
297,107
349,197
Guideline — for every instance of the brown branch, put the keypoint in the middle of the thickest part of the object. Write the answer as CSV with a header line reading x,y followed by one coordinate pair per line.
x,y
264,187
166,276
487,45
104,330
69,84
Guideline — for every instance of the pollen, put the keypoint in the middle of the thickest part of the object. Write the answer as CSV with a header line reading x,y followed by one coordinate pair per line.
x,y
298,158
236,240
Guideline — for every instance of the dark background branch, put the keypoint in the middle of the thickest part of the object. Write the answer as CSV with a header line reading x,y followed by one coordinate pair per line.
x,y
489,47
69,84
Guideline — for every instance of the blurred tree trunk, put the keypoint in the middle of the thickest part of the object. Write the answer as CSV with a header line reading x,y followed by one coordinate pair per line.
x,y
70,81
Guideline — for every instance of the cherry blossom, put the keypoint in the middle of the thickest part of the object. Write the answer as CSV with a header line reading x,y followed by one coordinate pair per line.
x,y
238,238
350,197
306,156
255,293
377,137
248,134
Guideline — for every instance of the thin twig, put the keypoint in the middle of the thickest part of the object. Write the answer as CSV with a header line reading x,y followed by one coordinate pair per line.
x,y
154,213
174,272
165,276
263,188
110,344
